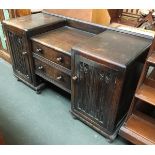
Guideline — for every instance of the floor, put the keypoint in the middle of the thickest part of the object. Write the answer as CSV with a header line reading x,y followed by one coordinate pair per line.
x,y
29,118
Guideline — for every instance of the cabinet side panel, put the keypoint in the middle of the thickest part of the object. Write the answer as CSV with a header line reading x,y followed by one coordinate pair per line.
x,y
131,80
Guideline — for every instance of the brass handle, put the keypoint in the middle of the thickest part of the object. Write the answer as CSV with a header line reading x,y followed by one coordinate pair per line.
x,y
59,59
40,67
24,53
74,78
39,50
59,77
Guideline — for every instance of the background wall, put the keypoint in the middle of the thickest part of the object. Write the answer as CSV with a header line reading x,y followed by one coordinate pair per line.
x,y
99,16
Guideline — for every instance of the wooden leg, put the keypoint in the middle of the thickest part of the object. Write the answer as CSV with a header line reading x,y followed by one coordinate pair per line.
x,y
18,79
73,116
38,91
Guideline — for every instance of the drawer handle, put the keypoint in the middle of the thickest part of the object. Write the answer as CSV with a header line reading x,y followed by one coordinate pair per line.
x,y
24,53
59,59
40,68
38,50
59,78
27,76
74,78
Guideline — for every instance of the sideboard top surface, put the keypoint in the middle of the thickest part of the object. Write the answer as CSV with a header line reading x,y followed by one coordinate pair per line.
x,y
33,21
63,38
116,47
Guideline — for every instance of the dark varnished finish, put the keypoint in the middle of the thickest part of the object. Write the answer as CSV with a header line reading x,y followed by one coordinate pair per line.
x,y
52,64
52,73
124,48
106,77
54,48
18,32
63,38
34,21
85,27
52,54
89,101
103,63
20,55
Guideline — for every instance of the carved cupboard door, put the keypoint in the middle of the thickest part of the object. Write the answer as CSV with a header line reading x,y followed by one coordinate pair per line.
x,y
94,93
19,54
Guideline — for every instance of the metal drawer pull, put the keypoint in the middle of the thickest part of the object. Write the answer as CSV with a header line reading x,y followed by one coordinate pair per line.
x,y
74,78
59,59
24,53
38,50
59,77
40,67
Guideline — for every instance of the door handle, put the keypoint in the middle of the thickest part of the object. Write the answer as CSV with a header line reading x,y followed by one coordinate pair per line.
x,y
40,68
39,50
59,78
24,53
75,78
59,59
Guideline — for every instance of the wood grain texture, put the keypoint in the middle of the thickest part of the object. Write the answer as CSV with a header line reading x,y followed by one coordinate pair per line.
x,y
92,104
146,93
97,101
151,59
101,64
150,80
56,75
33,21
22,12
115,47
5,56
141,127
63,38
19,54
95,90
52,64
1,15
51,54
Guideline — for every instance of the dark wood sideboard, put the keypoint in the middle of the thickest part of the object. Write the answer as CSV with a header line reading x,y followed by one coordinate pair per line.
x,y
98,65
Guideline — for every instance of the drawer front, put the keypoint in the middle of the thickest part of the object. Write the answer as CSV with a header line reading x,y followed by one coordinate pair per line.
x,y
53,55
53,74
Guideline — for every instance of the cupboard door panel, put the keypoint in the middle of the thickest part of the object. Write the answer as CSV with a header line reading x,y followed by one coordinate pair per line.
x,y
19,54
94,90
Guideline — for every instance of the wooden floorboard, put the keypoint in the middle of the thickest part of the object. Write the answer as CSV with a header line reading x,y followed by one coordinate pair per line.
x,y
6,56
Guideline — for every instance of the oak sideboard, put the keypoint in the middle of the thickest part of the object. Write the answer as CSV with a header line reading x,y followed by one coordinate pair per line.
x,y
99,66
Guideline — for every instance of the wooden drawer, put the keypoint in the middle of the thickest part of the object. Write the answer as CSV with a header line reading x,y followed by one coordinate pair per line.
x,y
51,54
53,75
